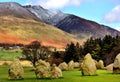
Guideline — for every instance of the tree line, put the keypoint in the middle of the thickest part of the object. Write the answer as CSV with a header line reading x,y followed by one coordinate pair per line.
x,y
7,46
106,49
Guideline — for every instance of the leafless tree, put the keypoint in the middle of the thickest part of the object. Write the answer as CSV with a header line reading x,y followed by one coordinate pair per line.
x,y
35,51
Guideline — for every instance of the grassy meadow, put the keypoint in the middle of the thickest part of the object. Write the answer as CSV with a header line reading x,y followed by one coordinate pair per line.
x,y
10,54
68,76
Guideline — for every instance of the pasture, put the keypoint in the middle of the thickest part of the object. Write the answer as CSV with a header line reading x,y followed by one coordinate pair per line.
x,y
68,76
10,54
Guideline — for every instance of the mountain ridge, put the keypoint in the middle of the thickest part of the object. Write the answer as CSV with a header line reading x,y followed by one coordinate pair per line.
x,y
78,26
14,9
28,23
48,16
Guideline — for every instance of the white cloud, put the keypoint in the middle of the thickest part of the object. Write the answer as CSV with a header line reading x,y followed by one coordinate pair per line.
x,y
49,4
113,16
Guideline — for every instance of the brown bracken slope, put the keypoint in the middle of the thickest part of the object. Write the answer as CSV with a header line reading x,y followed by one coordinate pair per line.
x,y
19,30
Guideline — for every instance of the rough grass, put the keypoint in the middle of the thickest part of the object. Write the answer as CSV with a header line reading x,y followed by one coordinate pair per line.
x,y
9,54
68,76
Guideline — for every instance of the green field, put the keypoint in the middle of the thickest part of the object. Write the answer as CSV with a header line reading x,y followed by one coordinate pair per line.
x,y
68,76
9,54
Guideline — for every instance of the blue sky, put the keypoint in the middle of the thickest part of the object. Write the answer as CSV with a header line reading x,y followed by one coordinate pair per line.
x,y
105,12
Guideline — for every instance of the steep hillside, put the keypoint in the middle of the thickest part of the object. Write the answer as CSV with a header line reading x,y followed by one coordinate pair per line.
x,y
48,16
16,10
80,27
18,25
17,30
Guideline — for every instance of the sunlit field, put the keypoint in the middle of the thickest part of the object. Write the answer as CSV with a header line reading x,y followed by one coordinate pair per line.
x,y
68,76
10,54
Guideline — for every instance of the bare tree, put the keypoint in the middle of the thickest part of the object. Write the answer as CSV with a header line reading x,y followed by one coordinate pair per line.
x,y
35,51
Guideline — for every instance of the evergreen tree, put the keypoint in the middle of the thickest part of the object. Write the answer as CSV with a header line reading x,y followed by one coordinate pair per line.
x,y
71,53
99,49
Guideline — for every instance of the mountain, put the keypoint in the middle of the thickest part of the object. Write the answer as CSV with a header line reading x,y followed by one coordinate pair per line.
x,y
23,24
18,25
16,10
48,16
78,26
